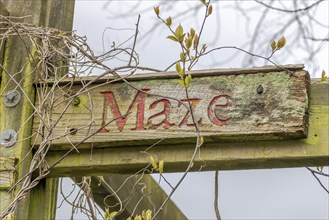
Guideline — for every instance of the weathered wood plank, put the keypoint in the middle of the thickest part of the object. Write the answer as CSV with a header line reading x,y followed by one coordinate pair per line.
x,y
130,189
229,106
310,151
7,168
50,13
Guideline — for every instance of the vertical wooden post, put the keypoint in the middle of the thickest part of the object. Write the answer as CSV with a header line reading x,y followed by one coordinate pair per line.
x,y
3,12
6,164
50,13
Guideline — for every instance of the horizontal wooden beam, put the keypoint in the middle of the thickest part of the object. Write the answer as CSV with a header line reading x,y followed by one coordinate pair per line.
x,y
251,104
130,189
310,151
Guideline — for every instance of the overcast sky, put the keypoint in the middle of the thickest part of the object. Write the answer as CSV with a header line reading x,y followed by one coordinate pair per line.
x,y
252,194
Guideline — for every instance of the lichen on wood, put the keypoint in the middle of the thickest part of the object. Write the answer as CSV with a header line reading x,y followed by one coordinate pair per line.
x,y
228,107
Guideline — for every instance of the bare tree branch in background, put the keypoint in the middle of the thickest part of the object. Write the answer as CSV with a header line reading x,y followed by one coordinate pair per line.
x,y
317,173
289,11
264,21
216,196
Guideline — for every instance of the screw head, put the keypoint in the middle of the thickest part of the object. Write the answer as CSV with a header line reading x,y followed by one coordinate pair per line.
x,y
8,138
12,98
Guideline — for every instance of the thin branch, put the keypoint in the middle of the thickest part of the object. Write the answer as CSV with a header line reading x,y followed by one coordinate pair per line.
x,y
135,40
286,10
216,196
313,172
317,39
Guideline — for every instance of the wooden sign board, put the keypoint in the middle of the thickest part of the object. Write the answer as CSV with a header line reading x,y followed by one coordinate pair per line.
x,y
237,104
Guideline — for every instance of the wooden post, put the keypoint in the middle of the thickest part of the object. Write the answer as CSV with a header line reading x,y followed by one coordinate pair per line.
x,y
51,13
3,12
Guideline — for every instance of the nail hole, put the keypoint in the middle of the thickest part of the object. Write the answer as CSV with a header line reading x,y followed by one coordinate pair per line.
x,y
315,135
73,131
260,89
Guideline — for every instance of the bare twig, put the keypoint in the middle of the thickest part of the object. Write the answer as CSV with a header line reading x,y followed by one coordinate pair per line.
x,y
216,196
314,172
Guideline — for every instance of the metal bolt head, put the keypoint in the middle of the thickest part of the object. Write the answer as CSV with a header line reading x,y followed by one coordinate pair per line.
x,y
12,98
8,138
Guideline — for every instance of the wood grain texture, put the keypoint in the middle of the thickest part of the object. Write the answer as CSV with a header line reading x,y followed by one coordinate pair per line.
x,y
3,12
7,167
227,106
43,200
51,13
310,151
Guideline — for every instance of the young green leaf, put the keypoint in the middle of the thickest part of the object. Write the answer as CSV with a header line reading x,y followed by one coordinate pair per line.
x,y
181,38
182,57
168,21
157,10
181,82
203,1
196,41
188,80
209,10
180,70
143,214
148,215
179,31
273,45
112,215
281,42
153,162
161,165
188,42
173,38
178,67
138,217
192,32
323,76
107,212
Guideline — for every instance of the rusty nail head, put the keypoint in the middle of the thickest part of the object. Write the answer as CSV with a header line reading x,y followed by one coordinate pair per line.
x,y
12,98
8,138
